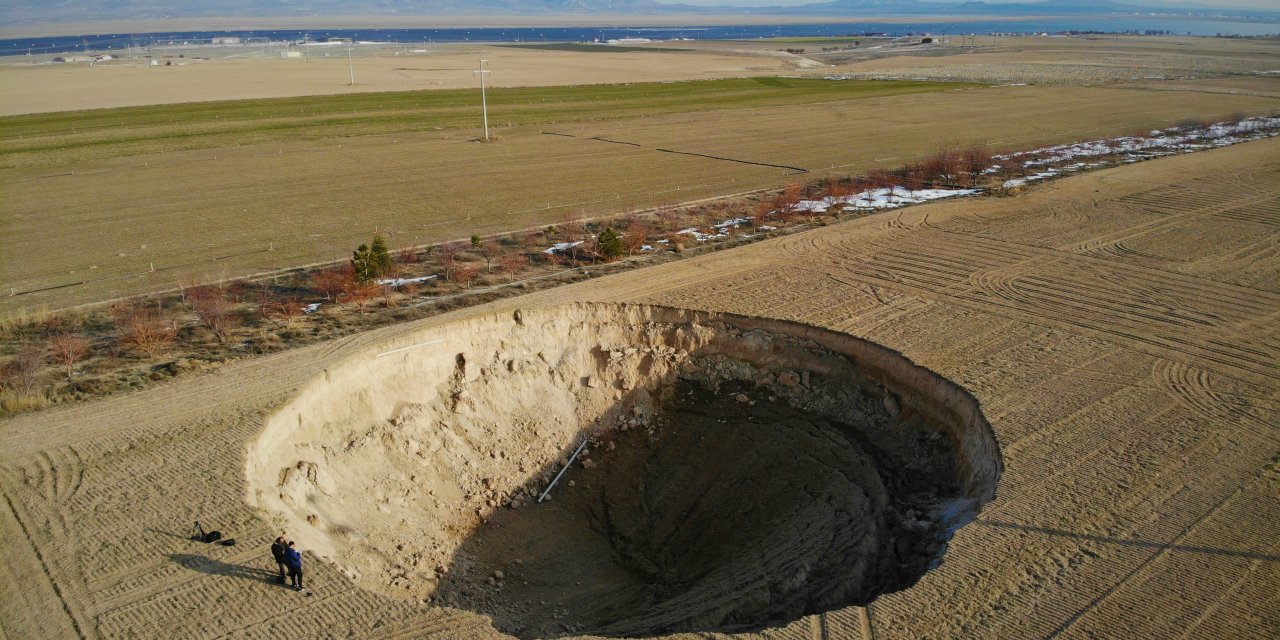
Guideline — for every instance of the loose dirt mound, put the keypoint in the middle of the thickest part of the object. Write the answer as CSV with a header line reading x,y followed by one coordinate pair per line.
x,y
738,472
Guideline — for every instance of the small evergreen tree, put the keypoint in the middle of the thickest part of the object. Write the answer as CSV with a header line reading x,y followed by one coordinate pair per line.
x,y
382,261
370,262
475,241
610,244
362,263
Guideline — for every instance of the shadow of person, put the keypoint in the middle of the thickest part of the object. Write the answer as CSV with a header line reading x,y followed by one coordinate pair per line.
x,y
217,567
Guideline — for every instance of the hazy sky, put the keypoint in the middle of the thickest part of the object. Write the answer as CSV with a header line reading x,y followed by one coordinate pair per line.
x,y
1271,5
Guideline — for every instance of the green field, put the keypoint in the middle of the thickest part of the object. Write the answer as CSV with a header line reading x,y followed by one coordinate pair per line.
x,y
66,138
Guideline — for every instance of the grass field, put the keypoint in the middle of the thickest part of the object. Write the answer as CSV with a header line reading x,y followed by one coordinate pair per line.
x,y
247,187
1116,327
60,139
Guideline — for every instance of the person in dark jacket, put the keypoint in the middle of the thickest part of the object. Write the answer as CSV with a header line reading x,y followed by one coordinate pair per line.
x,y
277,551
293,560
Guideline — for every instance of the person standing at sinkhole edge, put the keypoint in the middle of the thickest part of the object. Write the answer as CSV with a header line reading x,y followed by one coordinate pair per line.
x,y
294,560
277,551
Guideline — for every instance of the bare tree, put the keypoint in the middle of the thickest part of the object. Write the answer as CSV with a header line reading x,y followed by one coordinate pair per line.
x,y
448,253
761,211
915,174
185,283
331,281
880,179
572,228
68,349
841,188
283,309
358,293
974,161
142,328
634,236
513,263
215,312
465,274
534,241
22,373
490,251
668,219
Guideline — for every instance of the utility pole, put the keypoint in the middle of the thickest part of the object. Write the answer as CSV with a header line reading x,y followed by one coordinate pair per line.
x,y
484,103
350,69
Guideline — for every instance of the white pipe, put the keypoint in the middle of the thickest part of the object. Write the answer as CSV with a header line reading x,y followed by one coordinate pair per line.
x,y
566,468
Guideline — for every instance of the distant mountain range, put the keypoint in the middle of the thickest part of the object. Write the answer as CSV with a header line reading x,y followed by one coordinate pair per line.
x,y
15,12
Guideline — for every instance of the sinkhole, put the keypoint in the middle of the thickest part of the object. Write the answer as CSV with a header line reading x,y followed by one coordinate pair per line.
x,y
731,472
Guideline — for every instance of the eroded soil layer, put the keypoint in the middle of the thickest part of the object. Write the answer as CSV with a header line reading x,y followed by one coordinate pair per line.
x,y
738,472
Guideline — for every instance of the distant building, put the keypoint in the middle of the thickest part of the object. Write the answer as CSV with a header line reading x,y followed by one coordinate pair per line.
x,y
226,40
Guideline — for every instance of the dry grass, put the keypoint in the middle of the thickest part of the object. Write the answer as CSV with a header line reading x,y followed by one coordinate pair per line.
x,y
237,210
1092,60
14,320
43,88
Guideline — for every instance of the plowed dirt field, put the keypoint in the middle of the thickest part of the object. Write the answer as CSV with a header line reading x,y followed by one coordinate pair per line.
x,y
1121,330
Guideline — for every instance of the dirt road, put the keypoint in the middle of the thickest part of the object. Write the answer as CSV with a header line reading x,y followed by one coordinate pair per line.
x,y
1119,328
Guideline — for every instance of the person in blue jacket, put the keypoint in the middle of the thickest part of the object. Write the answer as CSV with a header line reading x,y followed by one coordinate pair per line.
x,y
293,560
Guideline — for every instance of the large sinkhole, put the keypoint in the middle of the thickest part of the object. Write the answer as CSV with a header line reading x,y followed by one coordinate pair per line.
x,y
737,472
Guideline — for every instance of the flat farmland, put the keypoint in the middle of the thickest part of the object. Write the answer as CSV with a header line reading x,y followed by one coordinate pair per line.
x,y
115,208
1126,362
249,73
1080,60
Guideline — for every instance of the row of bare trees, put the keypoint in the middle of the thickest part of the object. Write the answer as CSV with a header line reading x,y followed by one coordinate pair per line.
x,y
148,327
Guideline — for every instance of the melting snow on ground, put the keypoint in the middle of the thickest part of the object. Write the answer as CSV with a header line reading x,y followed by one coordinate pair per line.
x,y
400,282
562,246
883,198
1157,143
